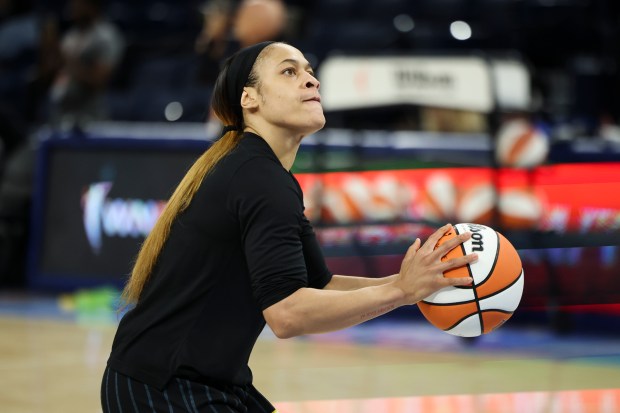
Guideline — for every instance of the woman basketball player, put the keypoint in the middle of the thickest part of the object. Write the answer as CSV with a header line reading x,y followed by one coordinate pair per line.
x,y
233,250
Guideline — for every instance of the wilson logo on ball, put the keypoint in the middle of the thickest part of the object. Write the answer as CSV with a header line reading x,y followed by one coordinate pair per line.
x,y
477,240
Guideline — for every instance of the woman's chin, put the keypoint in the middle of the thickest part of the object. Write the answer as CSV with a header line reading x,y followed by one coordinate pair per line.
x,y
319,123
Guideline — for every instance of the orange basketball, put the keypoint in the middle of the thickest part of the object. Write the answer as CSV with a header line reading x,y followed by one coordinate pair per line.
x,y
493,296
521,144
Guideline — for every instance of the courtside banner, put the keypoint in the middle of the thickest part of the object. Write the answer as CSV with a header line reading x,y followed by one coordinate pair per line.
x,y
96,200
575,198
362,82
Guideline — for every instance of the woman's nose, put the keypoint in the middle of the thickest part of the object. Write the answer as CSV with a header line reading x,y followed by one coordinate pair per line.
x,y
313,82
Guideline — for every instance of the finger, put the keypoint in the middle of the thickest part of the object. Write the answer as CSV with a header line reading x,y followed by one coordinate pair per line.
x,y
458,262
452,243
457,282
432,240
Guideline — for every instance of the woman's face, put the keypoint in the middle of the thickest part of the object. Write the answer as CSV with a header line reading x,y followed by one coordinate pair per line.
x,y
287,91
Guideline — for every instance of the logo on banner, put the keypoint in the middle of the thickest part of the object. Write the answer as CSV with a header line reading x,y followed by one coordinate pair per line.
x,y
116,217
423,80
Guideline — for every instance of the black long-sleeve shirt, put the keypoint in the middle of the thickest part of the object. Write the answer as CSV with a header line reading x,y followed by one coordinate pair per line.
x,y
241,246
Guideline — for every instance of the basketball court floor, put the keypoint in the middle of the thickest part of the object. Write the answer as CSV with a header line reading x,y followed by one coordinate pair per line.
x,y
52,354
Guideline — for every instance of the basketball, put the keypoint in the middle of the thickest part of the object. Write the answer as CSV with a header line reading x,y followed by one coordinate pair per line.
x,y
476,203
520,144
495,293
438,197
520,208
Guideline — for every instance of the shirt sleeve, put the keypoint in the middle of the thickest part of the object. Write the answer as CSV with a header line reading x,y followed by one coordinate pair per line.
x,y
318,273
269,210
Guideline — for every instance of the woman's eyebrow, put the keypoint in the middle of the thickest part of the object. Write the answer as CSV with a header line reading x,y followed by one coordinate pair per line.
x,y
296,63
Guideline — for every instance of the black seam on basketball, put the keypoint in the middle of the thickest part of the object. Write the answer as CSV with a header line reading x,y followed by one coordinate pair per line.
x,y
450,303
488,274
498,311
474,286
479,315
461,320
506,287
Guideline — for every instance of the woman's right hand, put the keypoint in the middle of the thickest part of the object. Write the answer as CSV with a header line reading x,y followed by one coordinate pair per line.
x,y
422,270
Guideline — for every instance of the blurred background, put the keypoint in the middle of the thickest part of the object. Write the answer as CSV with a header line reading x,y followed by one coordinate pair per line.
x,y
500,112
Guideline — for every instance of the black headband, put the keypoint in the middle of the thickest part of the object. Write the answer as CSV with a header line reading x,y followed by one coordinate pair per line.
x,y
238,72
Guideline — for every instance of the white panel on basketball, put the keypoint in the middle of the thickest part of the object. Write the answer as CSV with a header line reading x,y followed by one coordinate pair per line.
x,y
451,295
469,327
507,300
482,237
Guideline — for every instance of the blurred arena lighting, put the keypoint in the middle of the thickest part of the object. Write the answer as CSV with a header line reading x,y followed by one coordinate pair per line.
x,y
460,30
173,111
404,23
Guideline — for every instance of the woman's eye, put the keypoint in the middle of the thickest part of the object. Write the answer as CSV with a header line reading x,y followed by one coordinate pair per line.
x,y
289,71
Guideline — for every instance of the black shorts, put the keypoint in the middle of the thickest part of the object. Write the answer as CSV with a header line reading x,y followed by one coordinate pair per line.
x,y
120,393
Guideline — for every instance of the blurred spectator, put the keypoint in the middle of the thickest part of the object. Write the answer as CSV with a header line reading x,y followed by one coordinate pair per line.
x,y
19,31
259,20
213,42
90,51
18,43
229,25
47,65
18,46
16,188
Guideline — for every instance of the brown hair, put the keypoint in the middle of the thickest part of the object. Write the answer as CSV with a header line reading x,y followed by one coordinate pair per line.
x,y
150,250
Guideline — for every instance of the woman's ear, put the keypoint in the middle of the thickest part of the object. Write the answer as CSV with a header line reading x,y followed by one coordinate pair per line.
x,y
249,98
